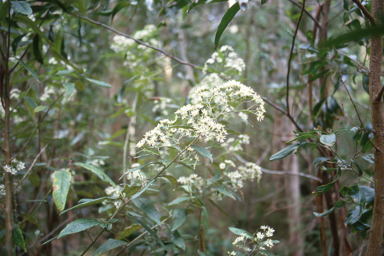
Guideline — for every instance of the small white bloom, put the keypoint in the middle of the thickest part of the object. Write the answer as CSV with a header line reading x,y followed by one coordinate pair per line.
x,y
222,166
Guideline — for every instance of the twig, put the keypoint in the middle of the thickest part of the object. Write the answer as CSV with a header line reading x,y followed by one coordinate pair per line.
x,y
281,172
306,12
365,11
134,39
285,113
290,56
357,112
37,126
54,230
141,235
30,168
365,68
37,208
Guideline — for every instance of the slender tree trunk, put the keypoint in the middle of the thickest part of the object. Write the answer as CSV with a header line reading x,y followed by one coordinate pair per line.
x,y
377,226
5,88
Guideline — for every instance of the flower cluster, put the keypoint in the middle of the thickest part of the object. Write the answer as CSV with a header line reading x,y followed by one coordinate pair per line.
x,y
15,167
192,180
225,59
254,244
136,175
115,192
123,45
250,172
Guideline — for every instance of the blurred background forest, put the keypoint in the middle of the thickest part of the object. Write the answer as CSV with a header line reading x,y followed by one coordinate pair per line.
x,y
94,102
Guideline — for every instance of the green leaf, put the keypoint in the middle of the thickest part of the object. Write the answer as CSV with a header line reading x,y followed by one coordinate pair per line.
x,y
78,226
178,240
171,179
221,210
324,213
324,188
87,202
263,2
99,83
31,102
69,88
225,192
284,153
18,238
148,209
29,69
240,232
227,18
359,170
40,108
96,171
318,161
27,21
130,191
60,186
179,200
203,151
129,231
119,7
37,49
143,189
179,216
21,7
64,72
110,244
328,139
150,231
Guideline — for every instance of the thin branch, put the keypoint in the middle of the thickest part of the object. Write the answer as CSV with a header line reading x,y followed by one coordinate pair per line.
x,y
357,112
134,39
285,113
365,68
141,235
290,56
365,11
37,126
30,168
306,12
281,172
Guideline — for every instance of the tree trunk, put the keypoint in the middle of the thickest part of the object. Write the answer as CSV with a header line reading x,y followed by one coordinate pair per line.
x,y
377,226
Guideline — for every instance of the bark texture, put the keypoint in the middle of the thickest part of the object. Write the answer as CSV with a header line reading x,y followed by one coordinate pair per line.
x,y
377,112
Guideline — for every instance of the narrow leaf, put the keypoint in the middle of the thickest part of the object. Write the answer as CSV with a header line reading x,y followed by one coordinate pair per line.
x,y
203,151
87,202
99,83
96,171
284,153
324,213
150,231
129,231
40,108
179,216
227,18
110,244
29,69
21,7
78,226
143,189
145,206
240,232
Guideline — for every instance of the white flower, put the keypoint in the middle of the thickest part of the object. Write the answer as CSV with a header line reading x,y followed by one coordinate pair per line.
x,y
222,166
